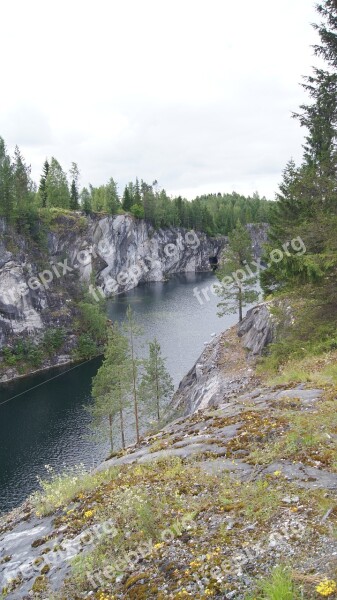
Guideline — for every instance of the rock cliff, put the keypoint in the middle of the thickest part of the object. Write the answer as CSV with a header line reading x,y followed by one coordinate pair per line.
x,y
41,280
225,367
42,277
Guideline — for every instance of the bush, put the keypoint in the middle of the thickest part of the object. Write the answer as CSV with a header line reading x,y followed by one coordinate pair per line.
x,y
86,347
93,322
53,339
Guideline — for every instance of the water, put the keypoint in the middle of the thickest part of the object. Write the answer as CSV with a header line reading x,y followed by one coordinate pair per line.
x,y
46,424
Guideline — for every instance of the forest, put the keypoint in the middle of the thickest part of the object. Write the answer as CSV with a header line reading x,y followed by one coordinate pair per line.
x,y
21,199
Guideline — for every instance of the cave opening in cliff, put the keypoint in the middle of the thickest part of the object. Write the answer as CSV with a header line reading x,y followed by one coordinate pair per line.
x,y
213,261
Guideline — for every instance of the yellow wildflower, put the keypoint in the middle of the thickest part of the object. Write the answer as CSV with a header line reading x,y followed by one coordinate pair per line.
x,y
327,587
157,546
88,514
277,473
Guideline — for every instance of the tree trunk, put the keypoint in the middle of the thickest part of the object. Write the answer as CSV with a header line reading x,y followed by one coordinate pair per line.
x,y
122,427
157,391
111,438
135,401
240,305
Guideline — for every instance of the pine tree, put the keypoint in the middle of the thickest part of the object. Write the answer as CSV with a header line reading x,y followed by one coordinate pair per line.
x,y
237,282
156,385
112,388
132,331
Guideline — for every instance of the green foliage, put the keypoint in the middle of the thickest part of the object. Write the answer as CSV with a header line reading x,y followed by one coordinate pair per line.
x,y
213,213
93,321
132,331
53,339
137,211
61,488
156,386
307,206
112,386
57,186
86,347
237,283
279,586
24,351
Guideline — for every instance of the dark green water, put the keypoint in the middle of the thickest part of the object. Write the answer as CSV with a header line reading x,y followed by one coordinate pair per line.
x,y
46,424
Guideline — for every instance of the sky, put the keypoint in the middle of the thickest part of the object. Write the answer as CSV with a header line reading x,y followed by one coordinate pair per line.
x,y
196,94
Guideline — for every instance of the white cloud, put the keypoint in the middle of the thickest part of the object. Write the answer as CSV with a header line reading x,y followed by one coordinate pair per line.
x,y
197,95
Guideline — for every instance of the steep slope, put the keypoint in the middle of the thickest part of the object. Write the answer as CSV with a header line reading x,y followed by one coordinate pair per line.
x,y
204,508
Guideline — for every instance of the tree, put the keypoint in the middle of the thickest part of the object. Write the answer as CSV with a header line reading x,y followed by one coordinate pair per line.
x,y
307,206
43,182
111,388
127,199
7,197
85,198
132,331
156,385
137,211
112,203
237,278
74,193
57,186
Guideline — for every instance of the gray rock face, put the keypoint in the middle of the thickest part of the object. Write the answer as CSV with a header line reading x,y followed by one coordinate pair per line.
x,y
118,253
222,370
257,329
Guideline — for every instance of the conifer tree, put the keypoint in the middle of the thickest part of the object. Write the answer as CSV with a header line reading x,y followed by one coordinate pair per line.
x,y
237,282
74,193
86,204
112,388
127,199
156,386
132,331
7,196
57,186
112,203
42,186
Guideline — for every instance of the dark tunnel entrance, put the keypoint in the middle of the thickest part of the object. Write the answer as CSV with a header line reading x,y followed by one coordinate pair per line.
x,y
213,261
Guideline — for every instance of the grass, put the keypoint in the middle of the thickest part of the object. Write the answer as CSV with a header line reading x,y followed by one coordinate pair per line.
x,y
318,370
61,488
307,437
279,586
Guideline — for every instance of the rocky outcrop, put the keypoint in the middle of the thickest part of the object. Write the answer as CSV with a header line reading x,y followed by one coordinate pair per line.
x,y
197,459
257,329
223,368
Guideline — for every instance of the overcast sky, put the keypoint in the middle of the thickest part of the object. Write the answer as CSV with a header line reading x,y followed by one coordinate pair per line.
x,y
197,94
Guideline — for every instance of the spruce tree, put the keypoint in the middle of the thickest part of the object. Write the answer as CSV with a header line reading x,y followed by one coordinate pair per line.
x,y
42,187
74,193
127,201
